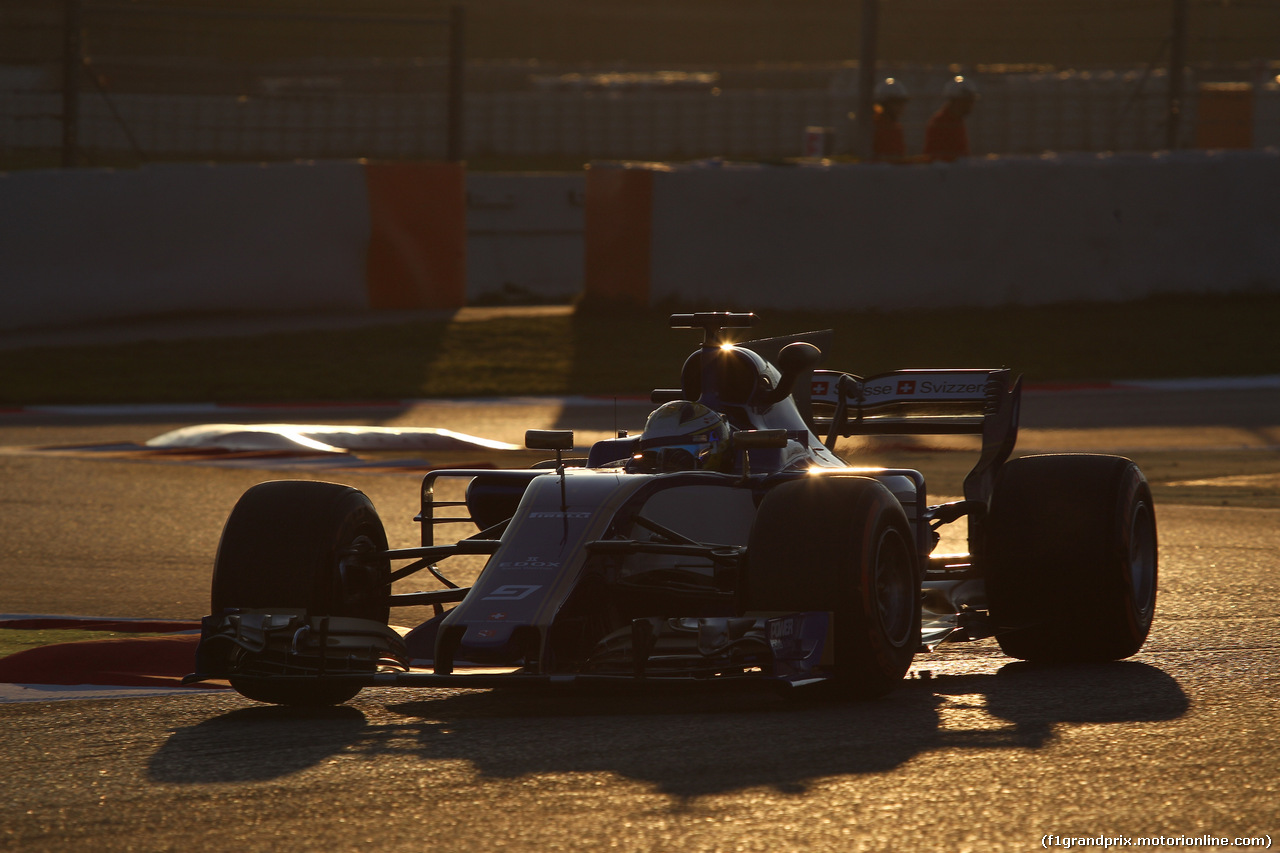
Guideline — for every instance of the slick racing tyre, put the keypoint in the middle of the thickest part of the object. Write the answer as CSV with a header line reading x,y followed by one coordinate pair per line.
x,y
1071,543
302,545
843,545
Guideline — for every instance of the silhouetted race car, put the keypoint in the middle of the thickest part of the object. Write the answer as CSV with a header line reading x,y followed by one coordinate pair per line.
x,y
726,545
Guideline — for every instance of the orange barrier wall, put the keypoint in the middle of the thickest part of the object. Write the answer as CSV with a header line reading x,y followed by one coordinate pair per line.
x,y
617,230
418,235
1224,116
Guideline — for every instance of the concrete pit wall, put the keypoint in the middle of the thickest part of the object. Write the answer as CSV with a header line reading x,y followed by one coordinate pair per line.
x,y
978,232
81,246
88,245
524,237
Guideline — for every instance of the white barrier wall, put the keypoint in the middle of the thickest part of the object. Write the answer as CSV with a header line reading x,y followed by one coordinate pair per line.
x,y
82,245
94,245
524,237
981,232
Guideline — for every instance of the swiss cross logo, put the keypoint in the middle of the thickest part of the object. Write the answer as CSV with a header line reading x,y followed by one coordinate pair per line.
x,y
820,388
907,386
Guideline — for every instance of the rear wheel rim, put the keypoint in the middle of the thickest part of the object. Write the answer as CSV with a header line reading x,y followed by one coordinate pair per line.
x,y
894,580
1142,557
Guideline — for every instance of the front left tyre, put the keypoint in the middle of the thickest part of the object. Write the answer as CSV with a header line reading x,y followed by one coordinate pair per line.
x,y
300,545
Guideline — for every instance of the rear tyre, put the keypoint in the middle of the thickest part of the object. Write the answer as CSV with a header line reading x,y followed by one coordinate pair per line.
x,y
1071,542
841,544
300,544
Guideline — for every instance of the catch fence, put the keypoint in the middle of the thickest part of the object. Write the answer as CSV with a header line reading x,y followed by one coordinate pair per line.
x,y
85,82
103,82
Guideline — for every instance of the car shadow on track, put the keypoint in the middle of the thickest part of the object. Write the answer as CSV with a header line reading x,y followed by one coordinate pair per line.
x,y
686,746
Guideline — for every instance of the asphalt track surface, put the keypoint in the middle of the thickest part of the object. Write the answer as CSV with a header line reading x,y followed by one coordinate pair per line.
x,y
974,752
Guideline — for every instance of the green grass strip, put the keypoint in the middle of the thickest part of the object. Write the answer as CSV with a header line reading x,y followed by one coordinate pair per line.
x,y
14,640
632,351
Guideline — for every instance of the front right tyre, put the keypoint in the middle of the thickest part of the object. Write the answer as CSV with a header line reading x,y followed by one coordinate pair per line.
x,y
841,545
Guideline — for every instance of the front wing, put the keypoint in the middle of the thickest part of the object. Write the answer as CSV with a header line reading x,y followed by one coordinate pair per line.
x,y
356,651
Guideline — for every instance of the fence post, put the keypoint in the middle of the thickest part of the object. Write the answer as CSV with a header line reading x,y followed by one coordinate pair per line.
x,y
457,74
71,61
1177,60
865,125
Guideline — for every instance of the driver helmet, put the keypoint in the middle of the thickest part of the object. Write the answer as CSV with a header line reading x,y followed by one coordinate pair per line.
x,y
684,436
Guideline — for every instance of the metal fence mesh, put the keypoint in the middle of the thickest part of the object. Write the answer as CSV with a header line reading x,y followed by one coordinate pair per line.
x,y
172,82
98,83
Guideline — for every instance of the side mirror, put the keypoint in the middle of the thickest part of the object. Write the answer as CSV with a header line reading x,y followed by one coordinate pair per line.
x,y
794,359
798,356
548,439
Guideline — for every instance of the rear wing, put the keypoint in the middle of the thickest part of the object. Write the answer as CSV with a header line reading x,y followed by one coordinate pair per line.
x,y
913,402
924,402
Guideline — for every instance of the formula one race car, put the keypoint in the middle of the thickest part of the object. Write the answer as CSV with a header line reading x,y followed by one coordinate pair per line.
x,y
727,544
